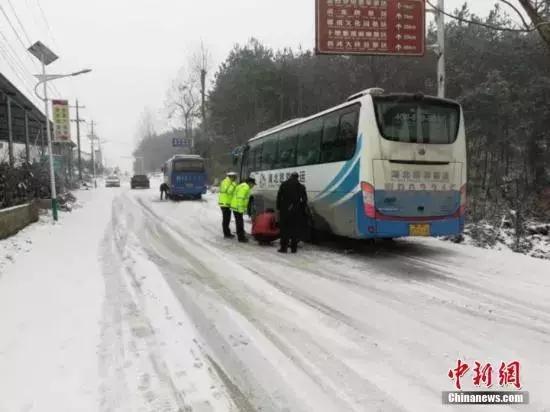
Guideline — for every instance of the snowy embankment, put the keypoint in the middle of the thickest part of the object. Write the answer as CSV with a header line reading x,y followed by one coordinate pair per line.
x,y
50,297
534,242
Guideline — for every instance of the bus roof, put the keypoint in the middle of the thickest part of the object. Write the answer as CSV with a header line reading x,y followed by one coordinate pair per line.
x,y
185,157
354,99
294,122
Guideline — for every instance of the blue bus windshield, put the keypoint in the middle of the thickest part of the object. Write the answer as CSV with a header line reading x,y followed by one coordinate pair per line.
x,y
188,165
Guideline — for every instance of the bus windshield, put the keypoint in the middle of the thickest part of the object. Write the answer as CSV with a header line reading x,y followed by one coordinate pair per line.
x,y
409,119
188,165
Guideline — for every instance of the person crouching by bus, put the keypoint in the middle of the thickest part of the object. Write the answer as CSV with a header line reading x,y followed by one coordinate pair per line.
x,y
227,189
164,191
239,205
265,228
292,208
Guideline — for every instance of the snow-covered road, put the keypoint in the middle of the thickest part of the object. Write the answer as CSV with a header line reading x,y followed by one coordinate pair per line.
x,y
174,317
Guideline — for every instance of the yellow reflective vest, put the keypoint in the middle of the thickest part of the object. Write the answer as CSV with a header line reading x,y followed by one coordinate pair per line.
x,y
241,197
227,189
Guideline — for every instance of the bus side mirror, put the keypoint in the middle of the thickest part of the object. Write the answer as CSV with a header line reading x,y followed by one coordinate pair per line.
x,y
236,155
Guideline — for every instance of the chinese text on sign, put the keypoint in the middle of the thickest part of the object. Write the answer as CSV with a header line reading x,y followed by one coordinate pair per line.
x,y
384,27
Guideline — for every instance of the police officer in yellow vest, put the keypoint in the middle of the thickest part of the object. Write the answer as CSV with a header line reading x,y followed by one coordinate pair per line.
x,y
239,205
227,189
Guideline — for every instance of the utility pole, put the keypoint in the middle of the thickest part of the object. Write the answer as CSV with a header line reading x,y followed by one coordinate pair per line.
x,y
441,75
50,148
439,47
78,121
92,139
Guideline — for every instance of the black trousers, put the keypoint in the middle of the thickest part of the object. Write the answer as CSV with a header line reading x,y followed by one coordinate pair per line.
x,y
287,239
163,191
239,222
290,225
226,213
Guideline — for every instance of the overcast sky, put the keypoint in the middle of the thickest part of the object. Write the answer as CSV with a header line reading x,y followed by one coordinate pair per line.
x,y
136,47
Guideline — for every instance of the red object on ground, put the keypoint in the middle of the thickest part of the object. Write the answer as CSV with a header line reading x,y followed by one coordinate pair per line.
x,y
265,228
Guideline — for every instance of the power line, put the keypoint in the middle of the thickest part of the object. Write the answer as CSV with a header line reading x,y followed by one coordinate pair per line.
x,y
25,34
10,61
20,41
48,27
486,25
15,32
50,33
19,22
52,88
18,67
16,57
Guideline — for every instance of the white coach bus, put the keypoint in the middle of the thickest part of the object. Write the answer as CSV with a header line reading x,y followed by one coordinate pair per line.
x,y
378,166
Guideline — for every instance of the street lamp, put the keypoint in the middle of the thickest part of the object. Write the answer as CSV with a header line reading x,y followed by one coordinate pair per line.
x,y
46,57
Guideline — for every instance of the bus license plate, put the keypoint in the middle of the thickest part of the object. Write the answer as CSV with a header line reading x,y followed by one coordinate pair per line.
x,y
419,230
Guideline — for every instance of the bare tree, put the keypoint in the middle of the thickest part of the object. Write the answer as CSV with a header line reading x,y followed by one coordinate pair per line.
x,y
538,12
183,100
200,65
146,125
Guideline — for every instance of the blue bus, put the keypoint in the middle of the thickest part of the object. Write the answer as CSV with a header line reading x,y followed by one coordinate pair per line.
x,y
185,176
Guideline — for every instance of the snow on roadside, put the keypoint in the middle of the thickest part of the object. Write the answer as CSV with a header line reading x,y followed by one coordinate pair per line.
x,y
50,303
88,322
21,242
535,242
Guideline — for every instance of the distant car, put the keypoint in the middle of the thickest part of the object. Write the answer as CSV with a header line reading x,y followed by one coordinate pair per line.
x,y
112,181
140,181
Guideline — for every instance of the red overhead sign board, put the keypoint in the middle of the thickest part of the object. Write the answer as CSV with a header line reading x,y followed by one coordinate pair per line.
x,y
371,27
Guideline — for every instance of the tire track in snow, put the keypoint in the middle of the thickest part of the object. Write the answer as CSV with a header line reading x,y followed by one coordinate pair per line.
x,y
127,333
243,375
437,298
333,372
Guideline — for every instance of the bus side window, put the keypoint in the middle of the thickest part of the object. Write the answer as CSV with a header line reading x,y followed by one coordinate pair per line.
x,y
309,142
287,148
245,163
348,134
329,145
258,157
269,151
254,156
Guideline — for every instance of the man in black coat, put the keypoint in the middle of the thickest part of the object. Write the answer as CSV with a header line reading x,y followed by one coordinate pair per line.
x,y
164,189
292,207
